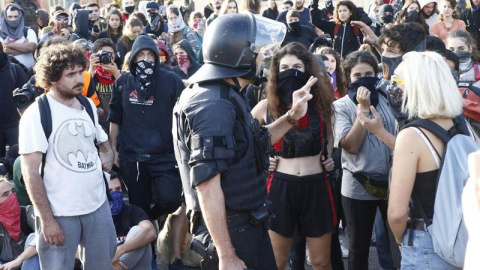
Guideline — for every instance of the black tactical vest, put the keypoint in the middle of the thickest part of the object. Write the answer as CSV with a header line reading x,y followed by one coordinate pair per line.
x,y
242,183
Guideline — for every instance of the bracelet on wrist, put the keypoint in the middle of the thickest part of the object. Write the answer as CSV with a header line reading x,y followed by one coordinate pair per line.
x,y
290,119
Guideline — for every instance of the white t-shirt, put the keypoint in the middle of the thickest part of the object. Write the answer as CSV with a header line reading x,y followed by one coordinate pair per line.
x,y
73,171
26,58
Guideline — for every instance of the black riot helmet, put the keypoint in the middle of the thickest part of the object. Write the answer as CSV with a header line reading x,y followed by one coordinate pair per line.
x,y
231,44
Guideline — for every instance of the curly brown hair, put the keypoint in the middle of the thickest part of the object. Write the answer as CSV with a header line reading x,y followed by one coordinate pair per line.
x,y
351,6
54,60
322,90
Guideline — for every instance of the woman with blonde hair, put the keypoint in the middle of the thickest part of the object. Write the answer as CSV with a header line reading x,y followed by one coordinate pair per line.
x,y
429,92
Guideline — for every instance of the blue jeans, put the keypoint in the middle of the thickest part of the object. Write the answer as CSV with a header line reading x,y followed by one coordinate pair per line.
x,y
421,254
382,242
32,263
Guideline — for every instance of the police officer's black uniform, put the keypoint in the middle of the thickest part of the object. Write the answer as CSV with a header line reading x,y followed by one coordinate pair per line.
x,y
213,133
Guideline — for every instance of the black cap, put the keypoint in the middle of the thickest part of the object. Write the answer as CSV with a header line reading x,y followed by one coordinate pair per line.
x,y
152,5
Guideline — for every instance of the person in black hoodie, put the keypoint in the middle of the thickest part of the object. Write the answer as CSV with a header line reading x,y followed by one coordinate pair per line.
x,y
81,26
471,17
141,124
12,76
186,60
385,13
298,33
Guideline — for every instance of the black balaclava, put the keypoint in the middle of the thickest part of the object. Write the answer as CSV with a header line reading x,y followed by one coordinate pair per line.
x,y
385,19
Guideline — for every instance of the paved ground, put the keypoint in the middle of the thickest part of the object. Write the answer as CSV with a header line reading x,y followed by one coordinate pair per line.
x,y
372,261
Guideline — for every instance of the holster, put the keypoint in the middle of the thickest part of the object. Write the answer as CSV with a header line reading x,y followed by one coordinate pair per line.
x,y
202,243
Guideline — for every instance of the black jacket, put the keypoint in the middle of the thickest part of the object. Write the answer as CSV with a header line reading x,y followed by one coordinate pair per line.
x,y
80,24
12,77
270,13
344,41
193,60
145,117
472,21
305,36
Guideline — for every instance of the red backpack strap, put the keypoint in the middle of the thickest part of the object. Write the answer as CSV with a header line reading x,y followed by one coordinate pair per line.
x,y
335,30
477,72
356,31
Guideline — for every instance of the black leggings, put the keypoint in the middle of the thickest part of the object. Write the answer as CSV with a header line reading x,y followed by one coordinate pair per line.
x,y
360,216
153,186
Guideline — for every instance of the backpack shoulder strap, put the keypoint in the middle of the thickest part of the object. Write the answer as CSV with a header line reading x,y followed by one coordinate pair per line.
x,y
335,30
433,151
46,120
88,107
86,104
477,71
432,127
356,31
45,115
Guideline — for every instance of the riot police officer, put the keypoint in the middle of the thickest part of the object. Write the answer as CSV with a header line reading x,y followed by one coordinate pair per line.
x,y
220,149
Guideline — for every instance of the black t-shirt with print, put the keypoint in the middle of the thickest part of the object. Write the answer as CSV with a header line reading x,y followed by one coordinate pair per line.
x,y
130,216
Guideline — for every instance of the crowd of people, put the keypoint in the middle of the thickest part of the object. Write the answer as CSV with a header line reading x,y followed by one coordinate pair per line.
x,y
237,137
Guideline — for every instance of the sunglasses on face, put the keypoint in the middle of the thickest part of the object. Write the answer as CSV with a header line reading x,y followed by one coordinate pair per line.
x,y
61,18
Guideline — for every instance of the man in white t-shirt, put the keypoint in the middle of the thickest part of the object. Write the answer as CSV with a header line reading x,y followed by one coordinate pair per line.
x,y
19,40
70,201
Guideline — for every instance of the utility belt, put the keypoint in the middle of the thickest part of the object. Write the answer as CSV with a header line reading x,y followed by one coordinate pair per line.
x,y
202,242
416,224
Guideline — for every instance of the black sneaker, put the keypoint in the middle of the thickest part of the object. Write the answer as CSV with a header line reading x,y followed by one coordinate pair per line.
x,y
177,265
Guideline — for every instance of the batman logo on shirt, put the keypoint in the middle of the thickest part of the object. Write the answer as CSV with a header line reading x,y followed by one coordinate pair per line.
x,y
74,145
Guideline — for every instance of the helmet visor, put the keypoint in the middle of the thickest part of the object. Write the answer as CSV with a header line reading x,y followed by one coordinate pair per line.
x,y
269,36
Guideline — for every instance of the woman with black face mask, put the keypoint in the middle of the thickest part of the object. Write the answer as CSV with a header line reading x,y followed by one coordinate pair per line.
x,y
365,158
410,13
385,18
298,187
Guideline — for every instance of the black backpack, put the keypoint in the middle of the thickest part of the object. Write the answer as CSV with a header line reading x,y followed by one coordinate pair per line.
x,y
46,120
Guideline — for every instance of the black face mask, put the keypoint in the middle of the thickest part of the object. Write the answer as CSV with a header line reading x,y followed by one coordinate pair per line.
x,y
289,81
412,16
395,96
129,9
368,82
389,65
386,19
294,28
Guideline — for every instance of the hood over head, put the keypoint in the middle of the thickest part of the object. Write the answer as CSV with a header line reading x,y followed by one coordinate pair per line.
x,y
162,47
423,3
81,23
12,29
143,42
188,48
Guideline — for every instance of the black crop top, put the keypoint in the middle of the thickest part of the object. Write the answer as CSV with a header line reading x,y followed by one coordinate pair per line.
x,y
425,188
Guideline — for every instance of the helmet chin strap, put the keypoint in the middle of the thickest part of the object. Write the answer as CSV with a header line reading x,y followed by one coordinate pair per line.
x,y
237,83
